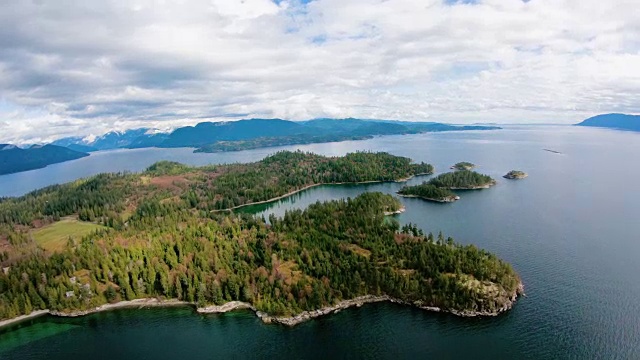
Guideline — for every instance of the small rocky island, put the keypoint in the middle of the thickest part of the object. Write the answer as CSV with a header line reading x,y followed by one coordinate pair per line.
x,y
464,165
429,192
515,175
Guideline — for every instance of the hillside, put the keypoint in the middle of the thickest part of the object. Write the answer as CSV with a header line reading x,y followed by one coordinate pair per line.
x,y
614,121
157,238
14,159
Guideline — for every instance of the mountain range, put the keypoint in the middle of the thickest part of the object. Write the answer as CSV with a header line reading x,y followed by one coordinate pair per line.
x,y
246,134
110,140
210,133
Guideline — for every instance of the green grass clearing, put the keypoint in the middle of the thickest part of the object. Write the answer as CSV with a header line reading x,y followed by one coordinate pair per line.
x,y
54,237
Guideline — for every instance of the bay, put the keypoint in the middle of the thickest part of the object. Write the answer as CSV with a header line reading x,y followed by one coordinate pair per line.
x,y
570,229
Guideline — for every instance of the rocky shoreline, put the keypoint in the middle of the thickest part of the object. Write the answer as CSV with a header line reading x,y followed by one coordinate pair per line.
x,y
266,318
22,318
485,186
139,303
399,211
448,199
226,307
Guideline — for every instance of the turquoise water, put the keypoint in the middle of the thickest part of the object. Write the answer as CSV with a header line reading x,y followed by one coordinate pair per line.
x,y
571,229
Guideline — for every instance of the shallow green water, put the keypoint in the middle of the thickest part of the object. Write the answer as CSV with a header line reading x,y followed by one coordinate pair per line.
x,y
571,230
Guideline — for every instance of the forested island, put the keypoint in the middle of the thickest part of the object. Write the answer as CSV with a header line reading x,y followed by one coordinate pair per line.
x,y
515,175
439,188
429,192
155,235
462,180
464,165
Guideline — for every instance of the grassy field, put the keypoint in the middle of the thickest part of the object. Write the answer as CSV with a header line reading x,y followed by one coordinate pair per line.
x,y
54,237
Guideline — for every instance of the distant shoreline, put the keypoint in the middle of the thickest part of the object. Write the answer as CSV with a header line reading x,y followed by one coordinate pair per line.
x,y
264,317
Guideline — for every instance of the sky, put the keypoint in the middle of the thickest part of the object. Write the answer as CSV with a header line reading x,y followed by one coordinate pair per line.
x,y
78,67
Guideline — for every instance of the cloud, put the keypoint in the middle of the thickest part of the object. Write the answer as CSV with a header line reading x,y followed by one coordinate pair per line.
x,y
80,68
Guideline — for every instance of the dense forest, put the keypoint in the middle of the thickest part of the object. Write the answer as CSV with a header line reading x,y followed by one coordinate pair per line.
x,y
463,179
429,192
205,188
285,172
159,240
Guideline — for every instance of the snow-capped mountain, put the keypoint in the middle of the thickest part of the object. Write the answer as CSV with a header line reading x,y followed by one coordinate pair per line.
x,y
112,140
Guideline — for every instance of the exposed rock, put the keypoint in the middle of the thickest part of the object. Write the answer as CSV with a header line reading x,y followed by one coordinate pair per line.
x,y
399,211
230,306
448,199
515,174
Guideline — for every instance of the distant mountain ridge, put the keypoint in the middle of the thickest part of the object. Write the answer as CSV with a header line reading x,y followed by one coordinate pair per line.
x,y
210,133
614,121
14,159
108,141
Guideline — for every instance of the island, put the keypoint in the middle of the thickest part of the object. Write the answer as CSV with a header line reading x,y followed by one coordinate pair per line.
x,y
464,165
429,192
613,121
14,159
159,238
462,180
515,175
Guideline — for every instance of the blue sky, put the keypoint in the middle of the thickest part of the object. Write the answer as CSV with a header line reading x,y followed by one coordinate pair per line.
x,y
86,68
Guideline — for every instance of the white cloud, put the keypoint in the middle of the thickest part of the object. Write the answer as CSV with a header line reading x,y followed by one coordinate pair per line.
x,y
90,67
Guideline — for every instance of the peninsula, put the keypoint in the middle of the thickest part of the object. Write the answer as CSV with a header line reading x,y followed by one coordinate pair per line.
x,y
159,239
14,159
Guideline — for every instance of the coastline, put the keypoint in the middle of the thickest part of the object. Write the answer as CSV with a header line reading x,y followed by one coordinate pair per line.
x,y
140,303
397,212
21,318
442,201
266,318
485,186
307,187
